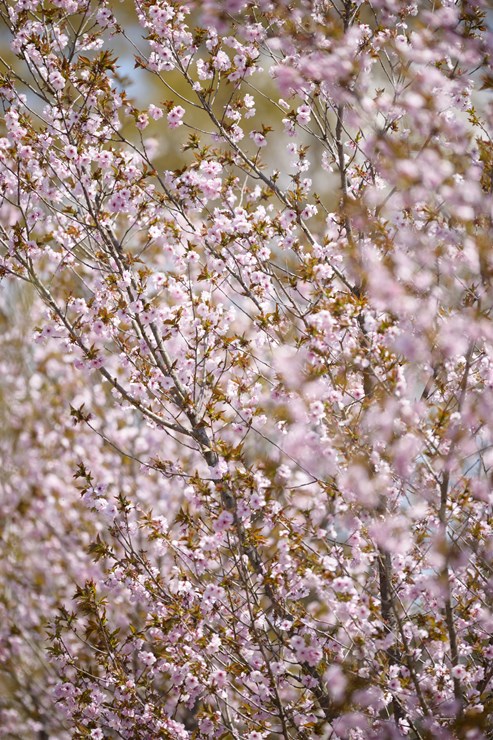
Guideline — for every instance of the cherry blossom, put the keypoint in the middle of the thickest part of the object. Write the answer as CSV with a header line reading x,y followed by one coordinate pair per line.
x,y
248,357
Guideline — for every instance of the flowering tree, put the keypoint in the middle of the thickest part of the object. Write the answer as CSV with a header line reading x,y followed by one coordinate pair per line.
x,y
256,437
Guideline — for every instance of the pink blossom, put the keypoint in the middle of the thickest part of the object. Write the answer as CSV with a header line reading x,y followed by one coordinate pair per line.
x,y
155,112
459,672
175,115
258,138
142,121
70,152
303,114
56,80
224,521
